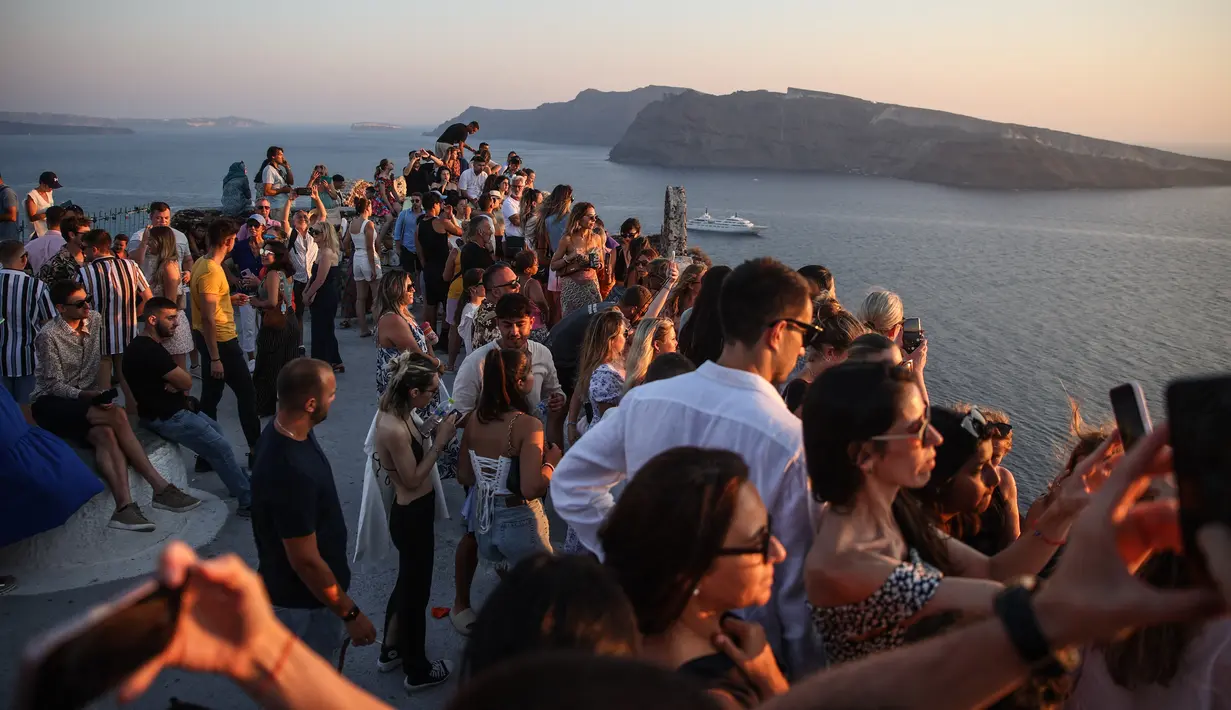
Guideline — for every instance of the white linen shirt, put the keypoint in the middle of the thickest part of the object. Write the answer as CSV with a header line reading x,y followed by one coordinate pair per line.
x,y
303,257
720,408
470,376
472,183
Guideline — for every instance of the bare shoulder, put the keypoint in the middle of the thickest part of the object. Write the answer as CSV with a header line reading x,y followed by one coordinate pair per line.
x,y
841,567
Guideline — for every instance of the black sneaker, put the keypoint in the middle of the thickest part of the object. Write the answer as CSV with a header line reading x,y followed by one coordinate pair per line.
x,y
244,511
438,674
202,465
389,659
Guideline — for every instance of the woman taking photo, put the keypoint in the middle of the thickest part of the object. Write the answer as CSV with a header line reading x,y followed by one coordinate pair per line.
x,y
654,337
277,341
701,336
721,558
502,456
600,371
577,260
396,329
162,270
684,294
323,295
365,264
878,563
409,460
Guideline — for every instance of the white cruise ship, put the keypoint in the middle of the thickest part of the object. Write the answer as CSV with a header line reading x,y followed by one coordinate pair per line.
x,y
730,225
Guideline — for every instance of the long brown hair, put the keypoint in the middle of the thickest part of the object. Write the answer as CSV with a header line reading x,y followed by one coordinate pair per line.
x,y
596,347
689,277
574,216
499,394
686,497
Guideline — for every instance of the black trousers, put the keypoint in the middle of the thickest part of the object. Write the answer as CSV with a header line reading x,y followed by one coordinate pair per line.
x,y
236,376
412,527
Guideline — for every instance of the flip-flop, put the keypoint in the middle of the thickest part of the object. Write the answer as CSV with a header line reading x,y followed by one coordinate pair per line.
x,y
463,621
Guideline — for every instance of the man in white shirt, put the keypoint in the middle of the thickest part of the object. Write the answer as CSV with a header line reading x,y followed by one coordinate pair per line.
x,y
471,182
514,320
513,239
276,185
160,216
41,249
303,253
766,316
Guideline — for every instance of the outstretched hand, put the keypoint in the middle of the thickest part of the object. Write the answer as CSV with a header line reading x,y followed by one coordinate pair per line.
x,y
1093,595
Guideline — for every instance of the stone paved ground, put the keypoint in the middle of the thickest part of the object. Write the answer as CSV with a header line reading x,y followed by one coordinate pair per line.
x,y
341,436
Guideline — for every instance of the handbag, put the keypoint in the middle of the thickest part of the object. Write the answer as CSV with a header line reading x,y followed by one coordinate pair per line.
x,y
276,317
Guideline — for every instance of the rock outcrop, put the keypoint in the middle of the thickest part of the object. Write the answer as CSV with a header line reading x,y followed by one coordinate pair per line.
x,y
816,131
592,118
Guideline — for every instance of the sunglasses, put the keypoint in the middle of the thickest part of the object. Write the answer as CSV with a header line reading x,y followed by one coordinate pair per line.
x,y
975,424
78,304
263,208
762,547
812,333
515,285
918,430
316,231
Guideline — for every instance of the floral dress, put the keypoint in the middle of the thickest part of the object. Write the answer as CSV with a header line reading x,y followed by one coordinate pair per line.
x,y
380,210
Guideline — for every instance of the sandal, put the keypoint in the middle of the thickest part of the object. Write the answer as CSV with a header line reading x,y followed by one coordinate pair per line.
x,y
345,323
462,621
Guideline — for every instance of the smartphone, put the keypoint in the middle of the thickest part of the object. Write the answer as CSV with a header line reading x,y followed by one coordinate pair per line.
x,y
912,334
73,665
1199,413
1128,403
103,398
303,191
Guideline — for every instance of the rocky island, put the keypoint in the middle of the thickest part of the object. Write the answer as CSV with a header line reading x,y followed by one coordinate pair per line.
x,y
70,124
591,118
369,126
823,132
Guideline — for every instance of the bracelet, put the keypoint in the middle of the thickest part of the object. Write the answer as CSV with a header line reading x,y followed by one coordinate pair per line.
x,y
215,359
272,675
552,466
1055,543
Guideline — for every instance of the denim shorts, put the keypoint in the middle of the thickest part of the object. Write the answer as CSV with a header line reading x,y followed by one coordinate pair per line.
x,y
516,532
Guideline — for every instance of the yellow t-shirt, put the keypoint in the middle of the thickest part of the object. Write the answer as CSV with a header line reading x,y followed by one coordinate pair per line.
x,y
208,277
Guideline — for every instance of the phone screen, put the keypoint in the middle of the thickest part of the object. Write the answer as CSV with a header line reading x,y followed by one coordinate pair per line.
x,y
912,334
1128,403
74,665
1199,412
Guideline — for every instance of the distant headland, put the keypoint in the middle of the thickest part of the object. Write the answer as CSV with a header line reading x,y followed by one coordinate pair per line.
x,y
818,131
367,126
50,121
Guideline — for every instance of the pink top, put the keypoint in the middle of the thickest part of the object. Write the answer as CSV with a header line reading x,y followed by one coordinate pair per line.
x,y
1203,683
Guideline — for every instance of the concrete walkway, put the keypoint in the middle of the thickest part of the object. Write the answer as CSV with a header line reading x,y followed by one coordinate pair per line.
x,y
341,436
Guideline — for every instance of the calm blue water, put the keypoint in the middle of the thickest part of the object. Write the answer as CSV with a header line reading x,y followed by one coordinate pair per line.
x,y
1017,291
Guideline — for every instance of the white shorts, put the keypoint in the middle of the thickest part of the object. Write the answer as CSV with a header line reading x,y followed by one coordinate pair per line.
x,y
245,328
450,309
553,281
362,270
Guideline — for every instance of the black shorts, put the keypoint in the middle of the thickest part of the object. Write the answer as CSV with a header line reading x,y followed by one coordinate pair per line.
x,y
410,261
66,418
436,289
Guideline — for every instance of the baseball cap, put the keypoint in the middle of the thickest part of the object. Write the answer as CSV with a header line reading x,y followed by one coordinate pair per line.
x,y
49,178
259,219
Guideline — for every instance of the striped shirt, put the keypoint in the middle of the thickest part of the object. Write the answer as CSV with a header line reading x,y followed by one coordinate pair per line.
x,y
25,304
115,286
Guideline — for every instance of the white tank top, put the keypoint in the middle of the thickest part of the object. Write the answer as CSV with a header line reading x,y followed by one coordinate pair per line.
x,y
360,240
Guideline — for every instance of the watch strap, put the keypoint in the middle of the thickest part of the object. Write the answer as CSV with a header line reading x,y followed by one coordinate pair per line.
x,y
352,614
1015,610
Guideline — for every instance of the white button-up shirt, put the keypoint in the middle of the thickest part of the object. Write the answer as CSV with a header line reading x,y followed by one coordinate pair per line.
x,y
720,408
470,376
472,183
303,257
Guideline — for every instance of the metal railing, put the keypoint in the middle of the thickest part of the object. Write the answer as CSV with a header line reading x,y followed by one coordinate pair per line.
x,y
121,220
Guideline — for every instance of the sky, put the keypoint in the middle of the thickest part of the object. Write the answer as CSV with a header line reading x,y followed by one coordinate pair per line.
x,y
1140,71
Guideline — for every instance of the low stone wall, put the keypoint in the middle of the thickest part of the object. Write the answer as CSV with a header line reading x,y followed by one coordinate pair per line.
x,y
85,551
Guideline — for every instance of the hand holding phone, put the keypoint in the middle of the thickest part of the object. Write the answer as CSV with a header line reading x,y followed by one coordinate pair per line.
x,y
912,334
104,398
1128,403
1199,415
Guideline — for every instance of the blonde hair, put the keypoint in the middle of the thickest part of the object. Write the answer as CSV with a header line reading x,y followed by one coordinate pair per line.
x,y
641,350
391,292
882,311
163,241
596,348
409,370
330,234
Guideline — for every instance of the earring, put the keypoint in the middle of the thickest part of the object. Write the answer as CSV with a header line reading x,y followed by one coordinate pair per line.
x,y
696,591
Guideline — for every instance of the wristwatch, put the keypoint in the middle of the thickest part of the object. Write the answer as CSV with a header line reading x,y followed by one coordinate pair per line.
x,y
352,614
1015,609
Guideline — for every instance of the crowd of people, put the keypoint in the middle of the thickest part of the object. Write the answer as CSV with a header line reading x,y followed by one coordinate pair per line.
x,y
762,504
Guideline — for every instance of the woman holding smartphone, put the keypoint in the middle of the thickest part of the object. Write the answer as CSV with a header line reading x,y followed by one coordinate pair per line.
x,y
578,259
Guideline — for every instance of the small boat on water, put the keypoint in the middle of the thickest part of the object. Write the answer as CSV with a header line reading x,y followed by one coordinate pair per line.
x,y
730,225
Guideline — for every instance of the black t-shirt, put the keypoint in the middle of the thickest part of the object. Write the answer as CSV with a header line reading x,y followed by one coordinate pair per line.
x,y
457,133
435,245
293,495
145,364
566,336
474,256
421,177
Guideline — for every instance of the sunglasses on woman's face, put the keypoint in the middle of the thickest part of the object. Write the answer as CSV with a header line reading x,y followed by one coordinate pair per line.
x,y
918,430
762,547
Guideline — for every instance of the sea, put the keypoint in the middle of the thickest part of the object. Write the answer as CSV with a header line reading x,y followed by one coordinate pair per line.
x,y
1026,297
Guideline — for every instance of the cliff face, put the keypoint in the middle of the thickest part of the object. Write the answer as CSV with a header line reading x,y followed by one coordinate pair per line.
x,y
830,133
592,118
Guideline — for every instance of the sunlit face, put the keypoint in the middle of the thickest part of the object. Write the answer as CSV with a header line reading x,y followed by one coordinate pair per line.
x,y
300,222
971,488
787,342
166,322
267,257
262,207
906,462
667,343
161,218
514,332
1001,446
618,342
746,579
318,407
422,398
503,282
410,293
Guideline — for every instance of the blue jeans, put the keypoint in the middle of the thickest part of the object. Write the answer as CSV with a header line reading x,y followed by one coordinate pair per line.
x,y
516,532
203,436
320,629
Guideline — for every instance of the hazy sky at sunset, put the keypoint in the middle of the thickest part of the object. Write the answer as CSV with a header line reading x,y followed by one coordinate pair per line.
x,y
1154,72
